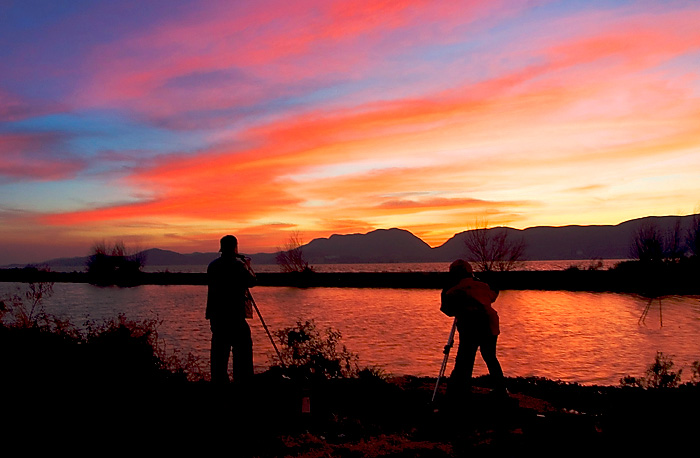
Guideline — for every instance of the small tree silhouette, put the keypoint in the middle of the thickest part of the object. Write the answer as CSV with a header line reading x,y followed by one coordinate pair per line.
x,y
648,244
492,250
651,245
291,257
113,265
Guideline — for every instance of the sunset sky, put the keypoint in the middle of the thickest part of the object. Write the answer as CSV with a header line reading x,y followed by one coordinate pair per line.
x,y
169,123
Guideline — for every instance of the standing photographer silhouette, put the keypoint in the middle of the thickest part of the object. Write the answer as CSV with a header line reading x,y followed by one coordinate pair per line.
x,y
469,300
228,279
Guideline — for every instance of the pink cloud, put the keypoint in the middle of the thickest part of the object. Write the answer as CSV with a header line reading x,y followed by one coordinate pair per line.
x,y
266,53
247,182
24,156
14,108
11,107
254,175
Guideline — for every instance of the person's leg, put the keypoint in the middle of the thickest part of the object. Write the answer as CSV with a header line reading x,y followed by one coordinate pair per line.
x,y
243,355
488,352
459,384
220,349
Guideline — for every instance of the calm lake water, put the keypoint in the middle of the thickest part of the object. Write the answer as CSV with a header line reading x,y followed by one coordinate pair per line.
x,y
589,338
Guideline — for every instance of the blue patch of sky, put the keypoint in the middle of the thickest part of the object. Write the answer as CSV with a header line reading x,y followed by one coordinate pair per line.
x,y
237,116
534,21
398,81
31,15
463,61
99,20
52,37
313,96
304,96
681,67
439,60
301,97
62,196
571,7
505,40
89,134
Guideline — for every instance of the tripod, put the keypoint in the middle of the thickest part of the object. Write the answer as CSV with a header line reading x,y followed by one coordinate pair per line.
x,y
249,297
446,351
642,319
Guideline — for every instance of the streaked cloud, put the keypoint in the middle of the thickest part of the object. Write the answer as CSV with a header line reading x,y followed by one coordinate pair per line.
x,y
335,117
36,156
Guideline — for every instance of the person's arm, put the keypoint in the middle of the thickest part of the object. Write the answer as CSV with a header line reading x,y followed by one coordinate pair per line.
x,y
250,278
207,312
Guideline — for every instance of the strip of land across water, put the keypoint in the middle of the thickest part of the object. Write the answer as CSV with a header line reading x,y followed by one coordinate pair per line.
x,y
654,282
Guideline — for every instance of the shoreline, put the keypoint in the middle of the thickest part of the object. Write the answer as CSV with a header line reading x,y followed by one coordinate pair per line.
x,y
653,284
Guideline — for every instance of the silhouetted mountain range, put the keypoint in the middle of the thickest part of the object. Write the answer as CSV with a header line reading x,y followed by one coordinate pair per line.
x,y
398,245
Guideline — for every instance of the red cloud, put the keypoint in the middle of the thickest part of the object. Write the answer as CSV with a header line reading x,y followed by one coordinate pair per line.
x,y
225,58
257,176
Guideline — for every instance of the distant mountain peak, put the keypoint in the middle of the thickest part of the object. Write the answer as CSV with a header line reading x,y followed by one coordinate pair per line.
x,y
400,245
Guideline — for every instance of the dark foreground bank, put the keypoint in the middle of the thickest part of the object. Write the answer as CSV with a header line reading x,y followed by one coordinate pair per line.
x,y
109,390
354,418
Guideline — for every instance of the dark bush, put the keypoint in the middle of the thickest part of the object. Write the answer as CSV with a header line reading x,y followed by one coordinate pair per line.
x,y
309,354
114,265
659,374
40,349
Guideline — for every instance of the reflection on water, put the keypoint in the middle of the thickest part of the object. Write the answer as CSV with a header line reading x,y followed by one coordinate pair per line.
x,y
590,338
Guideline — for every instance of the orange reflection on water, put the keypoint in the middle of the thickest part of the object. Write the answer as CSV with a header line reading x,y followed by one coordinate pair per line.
x,y
590,338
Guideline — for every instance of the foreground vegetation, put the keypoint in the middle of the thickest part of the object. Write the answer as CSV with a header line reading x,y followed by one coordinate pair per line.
x,y
111,385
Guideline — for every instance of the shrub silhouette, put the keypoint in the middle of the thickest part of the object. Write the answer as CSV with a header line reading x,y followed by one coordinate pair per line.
x,y
125,351
48,351
26,309
113,265
310,354
659,374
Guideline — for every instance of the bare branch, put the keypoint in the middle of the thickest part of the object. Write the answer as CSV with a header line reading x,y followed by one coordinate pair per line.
x,y
492,250
291,257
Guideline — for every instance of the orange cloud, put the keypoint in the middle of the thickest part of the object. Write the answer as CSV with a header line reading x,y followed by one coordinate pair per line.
x,y
518,136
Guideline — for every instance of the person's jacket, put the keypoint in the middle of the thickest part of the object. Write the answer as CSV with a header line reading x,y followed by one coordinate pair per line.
x,y
470,301
228,280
